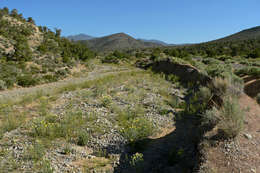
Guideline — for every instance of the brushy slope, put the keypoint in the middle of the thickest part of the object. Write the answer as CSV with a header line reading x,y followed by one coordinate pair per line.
x,y
31,55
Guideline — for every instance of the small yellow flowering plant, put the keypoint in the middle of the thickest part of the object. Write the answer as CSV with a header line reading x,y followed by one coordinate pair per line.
x,y
136,129
106,100
136,159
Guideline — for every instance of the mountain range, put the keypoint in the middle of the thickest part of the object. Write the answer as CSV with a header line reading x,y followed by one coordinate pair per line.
x,y
119,41
124,41
80,37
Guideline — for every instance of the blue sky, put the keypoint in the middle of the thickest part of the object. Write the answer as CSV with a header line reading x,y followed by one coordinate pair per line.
x,y
172,21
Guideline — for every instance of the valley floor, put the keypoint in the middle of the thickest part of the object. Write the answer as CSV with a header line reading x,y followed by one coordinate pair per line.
x,y
84,124
114,119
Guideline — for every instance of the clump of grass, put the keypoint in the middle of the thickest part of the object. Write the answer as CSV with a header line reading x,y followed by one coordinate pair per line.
x,y
101,153
9,165
45,166
83,138
71,127
97,164
43,107
35,152
11,121
106,100
67,149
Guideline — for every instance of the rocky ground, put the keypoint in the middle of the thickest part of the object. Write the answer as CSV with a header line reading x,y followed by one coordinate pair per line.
x,y
99,121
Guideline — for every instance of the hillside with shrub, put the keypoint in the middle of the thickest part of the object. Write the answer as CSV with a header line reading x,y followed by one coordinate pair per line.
x,y
244,44
31,55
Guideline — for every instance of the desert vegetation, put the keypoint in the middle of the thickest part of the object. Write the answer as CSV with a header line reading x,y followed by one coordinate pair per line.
x,y
66,108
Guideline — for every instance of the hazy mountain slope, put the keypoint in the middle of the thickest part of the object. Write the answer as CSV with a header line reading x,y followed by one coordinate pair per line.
x,y
247,34
117,41
154,41
79,37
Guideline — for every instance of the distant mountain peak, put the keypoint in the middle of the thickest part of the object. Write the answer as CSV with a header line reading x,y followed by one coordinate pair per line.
x,y
118,41
80,37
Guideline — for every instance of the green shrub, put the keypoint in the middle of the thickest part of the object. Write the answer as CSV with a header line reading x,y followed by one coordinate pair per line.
x,y
10,81
50,78
110,59
198,102
230,85
211,117
232,118
27,80
220,86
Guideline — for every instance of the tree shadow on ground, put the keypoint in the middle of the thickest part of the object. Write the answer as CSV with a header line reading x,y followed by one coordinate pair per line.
x,y
174,152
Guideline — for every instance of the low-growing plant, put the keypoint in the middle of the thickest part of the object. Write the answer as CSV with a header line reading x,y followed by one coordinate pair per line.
x,y
101,153
106,100
43,107
43,128
11,122
136,129
35,152
83,138
67,149
9,165
26,80
137,160
45,166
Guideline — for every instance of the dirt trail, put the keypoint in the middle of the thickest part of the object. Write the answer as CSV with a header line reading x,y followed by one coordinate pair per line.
x,y
47,88
243,153
252,85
